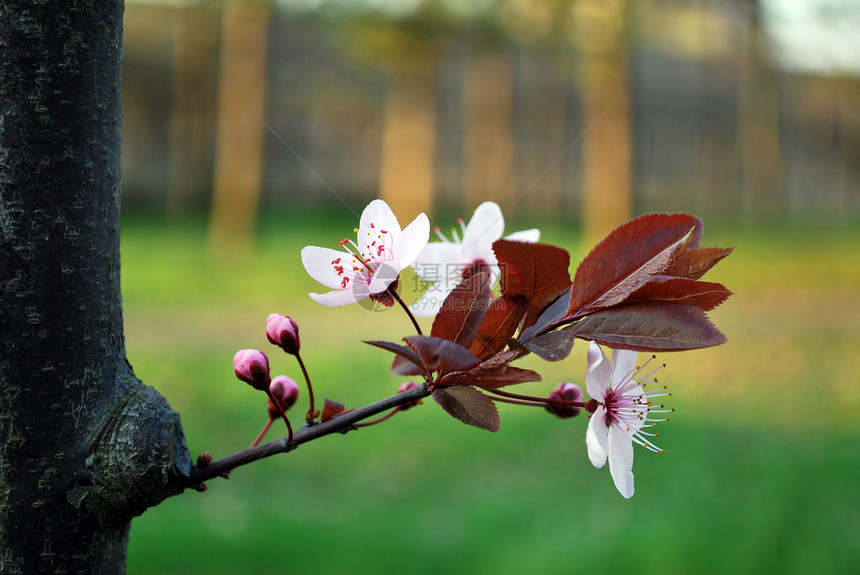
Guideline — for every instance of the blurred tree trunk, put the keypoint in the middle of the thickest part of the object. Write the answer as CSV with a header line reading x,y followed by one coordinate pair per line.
x,y
758,130
407,170
85,445
542,133
608,145
194,43
488,128
240,124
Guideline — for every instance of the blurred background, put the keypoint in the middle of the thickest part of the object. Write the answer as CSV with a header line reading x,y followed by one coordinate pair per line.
x,y
252,128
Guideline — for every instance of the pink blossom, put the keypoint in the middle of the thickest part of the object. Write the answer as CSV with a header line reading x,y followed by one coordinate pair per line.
x,y
621,410
446,263
370,264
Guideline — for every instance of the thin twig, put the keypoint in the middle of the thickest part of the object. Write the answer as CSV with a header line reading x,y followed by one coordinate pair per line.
x,y
341,424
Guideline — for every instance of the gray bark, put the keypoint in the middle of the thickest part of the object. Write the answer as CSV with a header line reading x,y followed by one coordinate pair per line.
x,y
84,445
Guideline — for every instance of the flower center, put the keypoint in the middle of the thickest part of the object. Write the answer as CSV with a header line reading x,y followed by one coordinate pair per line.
x,y
474,268
630,407
360,265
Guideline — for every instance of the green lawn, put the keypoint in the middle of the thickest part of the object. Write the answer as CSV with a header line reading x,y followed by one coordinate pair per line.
x,y
762,473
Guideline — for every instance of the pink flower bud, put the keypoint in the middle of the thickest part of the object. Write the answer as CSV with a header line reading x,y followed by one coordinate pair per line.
x,y
565,392
285,391
406,386
283,332
252,367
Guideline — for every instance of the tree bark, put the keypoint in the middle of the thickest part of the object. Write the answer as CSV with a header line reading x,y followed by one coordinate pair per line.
x,y
84,445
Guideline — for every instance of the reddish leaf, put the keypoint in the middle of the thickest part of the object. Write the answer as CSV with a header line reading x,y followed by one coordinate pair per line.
x,y
662,326
400,366
694,262
406,357
499,325
503,358
538,272
552,346
704,295
440,354
490,378
463,310
550,315
627,258
331,409
469,406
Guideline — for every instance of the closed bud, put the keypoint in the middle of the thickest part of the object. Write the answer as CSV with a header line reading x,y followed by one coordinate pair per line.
x,y
252,367
406,386
283,332
565,392
285,391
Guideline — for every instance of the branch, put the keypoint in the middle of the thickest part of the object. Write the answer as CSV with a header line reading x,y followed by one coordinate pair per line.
x,y
340,424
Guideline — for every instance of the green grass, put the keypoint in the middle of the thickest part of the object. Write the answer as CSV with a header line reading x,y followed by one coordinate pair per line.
x,y
761,474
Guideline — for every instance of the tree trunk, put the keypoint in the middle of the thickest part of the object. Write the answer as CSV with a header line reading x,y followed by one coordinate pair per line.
x,y
240,131
407,170
488,102
607,190
84,445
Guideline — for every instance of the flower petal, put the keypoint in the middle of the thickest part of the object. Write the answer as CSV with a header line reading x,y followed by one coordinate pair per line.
x,y
385,274
596,438
621,460
431,301
440,260
318,263
485,227
337,297
623,365
530,236
598,374
376,218
412,241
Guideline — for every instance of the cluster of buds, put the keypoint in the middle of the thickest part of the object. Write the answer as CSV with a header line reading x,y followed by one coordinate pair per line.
x,y
252,367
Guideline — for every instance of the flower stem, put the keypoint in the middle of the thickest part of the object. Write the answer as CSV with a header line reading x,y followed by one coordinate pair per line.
x,y
518,402
283,415
541,400
311,413
262,433
405,307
